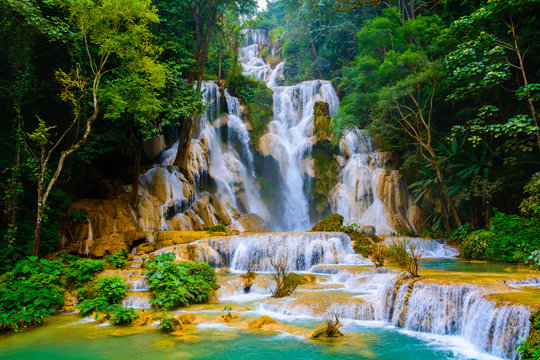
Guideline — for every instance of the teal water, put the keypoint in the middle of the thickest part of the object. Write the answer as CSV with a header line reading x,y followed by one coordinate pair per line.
x,y
65,337
462,265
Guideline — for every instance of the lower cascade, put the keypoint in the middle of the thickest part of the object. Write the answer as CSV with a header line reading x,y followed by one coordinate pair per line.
x,y
417,305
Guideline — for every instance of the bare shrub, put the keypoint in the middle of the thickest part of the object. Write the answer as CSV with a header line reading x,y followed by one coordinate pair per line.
x,y
285,282
379,255
406,255
330,317
250,275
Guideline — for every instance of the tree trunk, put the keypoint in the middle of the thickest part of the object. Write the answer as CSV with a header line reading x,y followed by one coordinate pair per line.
x,y
521,67
186,131
40,202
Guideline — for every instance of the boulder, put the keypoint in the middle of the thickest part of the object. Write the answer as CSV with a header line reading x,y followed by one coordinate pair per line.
x,y
252,223
153,147
261,322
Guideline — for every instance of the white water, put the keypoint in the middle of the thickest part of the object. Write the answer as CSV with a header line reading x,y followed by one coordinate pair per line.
x,y
456,313
369,192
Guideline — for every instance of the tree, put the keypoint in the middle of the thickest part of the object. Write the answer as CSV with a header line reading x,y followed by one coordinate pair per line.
x,y
109,38
206,14
395,80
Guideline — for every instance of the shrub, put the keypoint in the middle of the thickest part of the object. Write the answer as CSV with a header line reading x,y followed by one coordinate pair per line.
x,y
379,255
509,238
529,348
407,256
534,260
102,295
34,288
112,288
179,284
168,324
118,260
80,271
30,292
123,315
285,282
217,228
514,237
475,244
459,234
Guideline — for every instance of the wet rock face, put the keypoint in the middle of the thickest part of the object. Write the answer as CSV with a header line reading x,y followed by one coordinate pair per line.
x,y
252,223
99,227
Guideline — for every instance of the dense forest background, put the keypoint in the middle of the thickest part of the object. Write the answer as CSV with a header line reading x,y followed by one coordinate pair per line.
x,y
451,86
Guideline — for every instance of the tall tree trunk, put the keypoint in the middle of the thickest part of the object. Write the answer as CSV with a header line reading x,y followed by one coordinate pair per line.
x,y
186,131
521,67
40,201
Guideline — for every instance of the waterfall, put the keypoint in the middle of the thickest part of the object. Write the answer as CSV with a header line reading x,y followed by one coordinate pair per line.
x,y
302,250
369,192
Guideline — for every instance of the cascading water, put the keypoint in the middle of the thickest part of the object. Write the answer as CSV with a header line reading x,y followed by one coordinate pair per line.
x,y
289,139
369,192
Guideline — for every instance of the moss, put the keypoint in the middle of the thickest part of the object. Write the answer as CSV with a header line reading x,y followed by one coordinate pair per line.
x,y
323,121
363,244
257,98
332,222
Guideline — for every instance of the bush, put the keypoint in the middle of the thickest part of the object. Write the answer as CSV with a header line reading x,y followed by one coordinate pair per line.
x,y
379,255
407,256
34,288
514,237
30,292
459,234
168,324
285,282
510,238
102,295
123,315
80,271
529,348
217,228
534,260
475,244
118,260
179,284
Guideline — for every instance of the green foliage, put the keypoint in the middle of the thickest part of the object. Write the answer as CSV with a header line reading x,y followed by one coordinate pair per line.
x,y
179,284
510,238
529,348
123,316
332,222
475,244
217,228
406,255
80,271
531,205
29,293
78,215
459,234
258,99
102,296
534,260
118,260
34,288
168,324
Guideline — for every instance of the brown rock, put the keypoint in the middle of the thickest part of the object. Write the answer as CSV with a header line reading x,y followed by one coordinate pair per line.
x,y
323,121
252,223
261,322
188,319
309,279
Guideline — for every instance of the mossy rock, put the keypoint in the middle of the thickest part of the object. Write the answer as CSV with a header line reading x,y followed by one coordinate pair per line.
x,y
363,244
332,222
323,121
